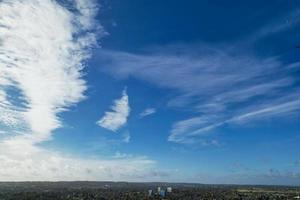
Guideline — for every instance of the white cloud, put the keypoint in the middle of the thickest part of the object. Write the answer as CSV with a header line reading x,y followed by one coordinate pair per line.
x,y
22,161
285,23
148,111
181,130
42,57
126,137
115,119
184,130
270,111
217,84
42,49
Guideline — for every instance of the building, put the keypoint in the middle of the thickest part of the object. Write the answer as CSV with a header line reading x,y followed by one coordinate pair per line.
x,y
169,189
162,193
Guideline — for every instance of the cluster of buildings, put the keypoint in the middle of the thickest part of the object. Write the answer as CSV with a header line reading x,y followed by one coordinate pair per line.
x,y
160,192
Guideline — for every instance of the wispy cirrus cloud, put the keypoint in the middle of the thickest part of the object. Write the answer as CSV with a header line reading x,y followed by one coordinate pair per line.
x,y
181,130
115,119
126,137
220,84
185,130
147,111
281,24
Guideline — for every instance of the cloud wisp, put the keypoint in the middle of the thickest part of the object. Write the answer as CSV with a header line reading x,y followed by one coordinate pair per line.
x,y
219,84
126,137
115,119
147,111
193,127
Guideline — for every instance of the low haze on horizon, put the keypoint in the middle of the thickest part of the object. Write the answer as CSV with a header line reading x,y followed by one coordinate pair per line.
x,y
148,90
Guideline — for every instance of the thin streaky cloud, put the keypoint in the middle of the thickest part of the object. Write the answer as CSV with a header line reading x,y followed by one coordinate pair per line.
x,y
184,129
126,137
211,66
272,111
222,84
284,23
147,111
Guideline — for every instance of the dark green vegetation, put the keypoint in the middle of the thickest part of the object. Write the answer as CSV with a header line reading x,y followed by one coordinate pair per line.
x,y
135,191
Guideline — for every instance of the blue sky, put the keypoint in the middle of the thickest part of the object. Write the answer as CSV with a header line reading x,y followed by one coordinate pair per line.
x,y
193,91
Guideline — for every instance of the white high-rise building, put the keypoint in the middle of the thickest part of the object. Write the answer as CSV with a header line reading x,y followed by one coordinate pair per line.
x,y
169,189
158,190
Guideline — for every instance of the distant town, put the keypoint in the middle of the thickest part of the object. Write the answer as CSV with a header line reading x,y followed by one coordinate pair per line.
x,y
141,191
160,192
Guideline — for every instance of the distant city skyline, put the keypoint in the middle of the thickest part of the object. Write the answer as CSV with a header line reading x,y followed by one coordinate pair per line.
x,y
139,90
